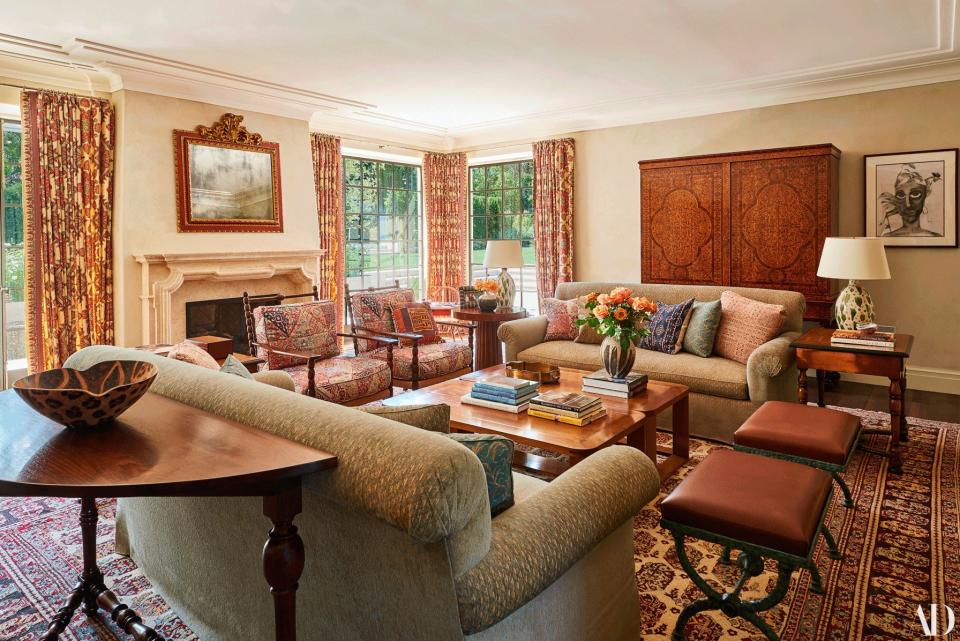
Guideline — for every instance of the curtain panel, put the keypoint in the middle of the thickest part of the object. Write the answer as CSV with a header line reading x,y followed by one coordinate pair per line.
x,y
68,164
328,182
446,191
553,174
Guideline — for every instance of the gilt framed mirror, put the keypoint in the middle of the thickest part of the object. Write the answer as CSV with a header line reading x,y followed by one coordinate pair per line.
x,y
228,179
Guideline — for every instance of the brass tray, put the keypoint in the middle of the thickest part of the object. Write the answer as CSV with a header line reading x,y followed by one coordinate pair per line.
x,y
540,372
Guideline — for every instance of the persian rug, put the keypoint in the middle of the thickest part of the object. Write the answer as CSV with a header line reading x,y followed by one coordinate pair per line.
x,y
901,550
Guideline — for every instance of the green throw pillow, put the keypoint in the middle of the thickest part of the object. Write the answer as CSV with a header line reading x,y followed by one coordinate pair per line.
x,y
235,367
496,455
702,328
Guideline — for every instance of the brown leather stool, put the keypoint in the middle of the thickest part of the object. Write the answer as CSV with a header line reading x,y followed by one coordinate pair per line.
x,y
764,507
814,436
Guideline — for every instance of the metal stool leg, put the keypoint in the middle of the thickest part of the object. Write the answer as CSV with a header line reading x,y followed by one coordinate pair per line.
x,y
834,552
847,498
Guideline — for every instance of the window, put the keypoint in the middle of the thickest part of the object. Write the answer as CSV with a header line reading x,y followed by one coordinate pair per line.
x,y
13,337
501,208
383,222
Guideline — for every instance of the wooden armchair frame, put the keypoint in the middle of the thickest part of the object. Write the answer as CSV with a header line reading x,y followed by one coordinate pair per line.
x,y
367,333
310,359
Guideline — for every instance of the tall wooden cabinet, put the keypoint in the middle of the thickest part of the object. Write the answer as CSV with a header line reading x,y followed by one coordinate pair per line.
x,y
745,219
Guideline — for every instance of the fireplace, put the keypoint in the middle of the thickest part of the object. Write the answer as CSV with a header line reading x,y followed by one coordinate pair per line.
x,y
219,317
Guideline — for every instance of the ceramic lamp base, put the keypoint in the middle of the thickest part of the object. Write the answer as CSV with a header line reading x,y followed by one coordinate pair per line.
x,y
506,289
854,306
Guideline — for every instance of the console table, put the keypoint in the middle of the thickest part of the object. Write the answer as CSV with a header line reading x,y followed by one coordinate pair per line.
x,y
159,447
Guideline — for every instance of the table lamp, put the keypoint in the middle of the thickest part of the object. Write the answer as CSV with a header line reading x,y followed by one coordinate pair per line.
x,y
504,254
854,259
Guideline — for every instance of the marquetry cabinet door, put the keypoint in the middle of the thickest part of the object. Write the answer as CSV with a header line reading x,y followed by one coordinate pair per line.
x,y
684,225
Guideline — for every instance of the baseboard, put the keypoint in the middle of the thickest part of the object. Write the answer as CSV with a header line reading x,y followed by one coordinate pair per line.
x,y
928,379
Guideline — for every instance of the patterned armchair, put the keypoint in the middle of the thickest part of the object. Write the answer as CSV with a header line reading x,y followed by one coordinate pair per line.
x,y
420,359
301,339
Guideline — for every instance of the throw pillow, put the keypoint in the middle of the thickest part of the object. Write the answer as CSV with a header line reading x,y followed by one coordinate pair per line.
x,y
667,327
561,319
309,328
702,328
496,455
587,334
415,318
191,353
232,366
745,325
432,417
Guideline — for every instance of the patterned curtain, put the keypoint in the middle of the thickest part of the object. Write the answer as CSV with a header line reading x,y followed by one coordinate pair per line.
x,y
445,189
553,174
68,155
328,181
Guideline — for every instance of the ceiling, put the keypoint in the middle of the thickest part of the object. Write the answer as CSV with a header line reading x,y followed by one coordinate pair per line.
x,y
455,73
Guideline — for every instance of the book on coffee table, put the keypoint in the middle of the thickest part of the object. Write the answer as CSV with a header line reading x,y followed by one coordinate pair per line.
x,y
595,415
494,405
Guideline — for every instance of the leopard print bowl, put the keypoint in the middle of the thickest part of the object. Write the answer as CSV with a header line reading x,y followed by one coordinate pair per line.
x,y
88,397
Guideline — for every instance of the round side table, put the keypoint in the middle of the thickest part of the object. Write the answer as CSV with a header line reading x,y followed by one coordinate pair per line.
x,y
487,349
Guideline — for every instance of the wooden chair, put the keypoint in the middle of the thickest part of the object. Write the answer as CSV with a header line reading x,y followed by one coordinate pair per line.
x,y
418,361
273,326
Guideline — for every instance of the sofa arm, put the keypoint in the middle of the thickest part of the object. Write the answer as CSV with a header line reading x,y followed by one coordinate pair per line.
x,y
520,334
536,541
768,363
276,378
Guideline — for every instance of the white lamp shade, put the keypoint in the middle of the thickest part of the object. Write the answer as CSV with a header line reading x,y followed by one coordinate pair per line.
x,y
854,259
503,253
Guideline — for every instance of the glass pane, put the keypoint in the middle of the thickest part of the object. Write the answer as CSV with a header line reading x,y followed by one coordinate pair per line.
x,y
526,227
526,200
353,259
526,174
353,226
413,255
370,251
413,228
494,177
479,227
511,175
529,253
369,170
386,172
387,201
386,228
369,201
405,177
405,203
479,248
511,201
351,203
493,227
351,171
511,227
479,205
493,204
369,228
415,178
476,178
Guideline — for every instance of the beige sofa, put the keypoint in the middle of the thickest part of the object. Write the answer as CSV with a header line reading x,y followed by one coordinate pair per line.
x,y
723,393
399,540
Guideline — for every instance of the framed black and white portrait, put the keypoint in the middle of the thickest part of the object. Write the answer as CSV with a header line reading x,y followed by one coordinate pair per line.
x,y
911,198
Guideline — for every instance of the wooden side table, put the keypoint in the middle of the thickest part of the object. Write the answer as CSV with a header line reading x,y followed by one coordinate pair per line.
x,y
815,351
488,351
159,447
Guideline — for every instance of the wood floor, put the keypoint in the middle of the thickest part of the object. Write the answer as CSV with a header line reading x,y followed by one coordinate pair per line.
x,y
932,406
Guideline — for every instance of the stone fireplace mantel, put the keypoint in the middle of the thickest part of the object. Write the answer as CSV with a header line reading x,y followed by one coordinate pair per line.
x,y
163,276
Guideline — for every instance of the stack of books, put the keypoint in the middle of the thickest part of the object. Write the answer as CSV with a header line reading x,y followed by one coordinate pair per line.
x,y
502,393
881,341
567,407
599,382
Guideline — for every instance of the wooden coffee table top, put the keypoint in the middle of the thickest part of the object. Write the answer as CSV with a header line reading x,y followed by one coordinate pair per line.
x,y
623,415
158,447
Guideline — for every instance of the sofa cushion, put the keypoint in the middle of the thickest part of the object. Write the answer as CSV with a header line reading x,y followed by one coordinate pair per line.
x,y
702,328
342,379
667,327
715,376
561,319
496,455
433,360
299,327
745,325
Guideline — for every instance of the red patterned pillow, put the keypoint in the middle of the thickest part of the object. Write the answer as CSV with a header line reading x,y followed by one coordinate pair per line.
x,y
372,311
190,353
561,319
745,325
301,327
415,318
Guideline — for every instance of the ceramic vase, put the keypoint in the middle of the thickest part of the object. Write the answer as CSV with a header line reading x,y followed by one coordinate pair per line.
x,y
488,302
506,289
854,306
617,362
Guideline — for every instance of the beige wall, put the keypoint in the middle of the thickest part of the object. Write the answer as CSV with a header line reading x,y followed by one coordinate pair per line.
x,y
145,215
922,298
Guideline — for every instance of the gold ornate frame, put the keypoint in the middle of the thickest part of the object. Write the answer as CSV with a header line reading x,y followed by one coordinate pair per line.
x,y
227,133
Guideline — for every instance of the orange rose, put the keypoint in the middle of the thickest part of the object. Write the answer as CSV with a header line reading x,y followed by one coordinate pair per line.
x,y
621,314
644,305
601,311
592,296
620,294
603,299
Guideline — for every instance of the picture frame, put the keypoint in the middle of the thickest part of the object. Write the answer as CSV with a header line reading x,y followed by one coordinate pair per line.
x,y
911,198
468,295
228,179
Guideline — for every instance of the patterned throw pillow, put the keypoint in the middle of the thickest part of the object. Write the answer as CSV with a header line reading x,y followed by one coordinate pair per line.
x,y
496,455
702,328
372,311
587,335
191,353
416,318
745,325
667,327
561,319
301,327
232,366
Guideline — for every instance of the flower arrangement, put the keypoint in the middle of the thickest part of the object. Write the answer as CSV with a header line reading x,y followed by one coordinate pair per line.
x,y
619,315
486,285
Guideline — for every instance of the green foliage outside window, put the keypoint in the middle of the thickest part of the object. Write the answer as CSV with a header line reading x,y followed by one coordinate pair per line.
x,y
12,206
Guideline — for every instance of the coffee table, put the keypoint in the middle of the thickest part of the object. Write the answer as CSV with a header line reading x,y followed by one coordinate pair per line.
x,y
633,421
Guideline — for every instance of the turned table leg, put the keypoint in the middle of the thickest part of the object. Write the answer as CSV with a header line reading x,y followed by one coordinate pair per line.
x,y
821,377
283,558
802,385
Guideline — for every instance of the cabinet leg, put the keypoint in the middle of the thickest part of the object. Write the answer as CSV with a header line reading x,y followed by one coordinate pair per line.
x,y
283,558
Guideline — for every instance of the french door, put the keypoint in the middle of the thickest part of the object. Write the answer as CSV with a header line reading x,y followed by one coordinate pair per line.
x,y
13,343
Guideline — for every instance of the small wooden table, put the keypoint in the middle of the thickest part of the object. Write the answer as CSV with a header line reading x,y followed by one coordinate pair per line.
x,y
633,421
488,351
815,351
159,447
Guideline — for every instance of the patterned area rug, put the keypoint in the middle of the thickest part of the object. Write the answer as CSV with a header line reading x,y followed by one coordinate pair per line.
x,y
901,549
